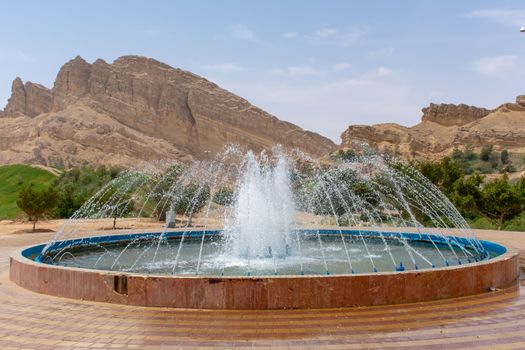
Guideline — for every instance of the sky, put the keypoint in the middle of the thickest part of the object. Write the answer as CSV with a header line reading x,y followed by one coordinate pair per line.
x,y
321,64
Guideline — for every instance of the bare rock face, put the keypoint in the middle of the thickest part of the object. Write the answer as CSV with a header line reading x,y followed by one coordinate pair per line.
x,y
16,104
139,109
27,100
450,114
445,127
71,83
177,106
520,100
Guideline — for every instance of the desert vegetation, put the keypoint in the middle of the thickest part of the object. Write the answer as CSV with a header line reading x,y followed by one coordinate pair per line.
x,y
486,203
476,183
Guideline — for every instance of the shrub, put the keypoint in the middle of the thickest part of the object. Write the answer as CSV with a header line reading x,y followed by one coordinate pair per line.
x,y
36,204
485,152
224,196
516,224
482,223
504,156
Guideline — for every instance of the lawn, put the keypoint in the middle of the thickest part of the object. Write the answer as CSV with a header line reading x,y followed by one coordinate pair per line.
x,y
15,177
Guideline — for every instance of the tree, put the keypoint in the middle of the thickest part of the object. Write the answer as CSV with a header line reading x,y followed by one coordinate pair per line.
x,y
485,153
68,202
500,201
122,208
191,200
118,198
494,159
116,202
161,190
457,154
77,185
36,204
443,174
224,196
336,192
467,195
504,156
469,153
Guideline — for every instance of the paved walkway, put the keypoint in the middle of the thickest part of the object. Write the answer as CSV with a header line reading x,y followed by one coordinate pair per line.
x,y
28,320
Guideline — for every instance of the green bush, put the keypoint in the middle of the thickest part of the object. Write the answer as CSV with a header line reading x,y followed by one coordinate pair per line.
x,y
36,204
504,156
224,196
482,223
516,224
192,199
77,185
485,153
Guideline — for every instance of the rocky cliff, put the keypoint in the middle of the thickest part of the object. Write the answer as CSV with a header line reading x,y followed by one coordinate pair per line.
x,y
27,99
132,110
444,127
449,114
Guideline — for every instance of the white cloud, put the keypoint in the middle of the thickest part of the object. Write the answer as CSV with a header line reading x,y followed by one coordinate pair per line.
x,y
496,66
341,66
350,38
311,60
326,32
295,71
290,35
384,52
513,18
223,67
381,72
242,32
334,36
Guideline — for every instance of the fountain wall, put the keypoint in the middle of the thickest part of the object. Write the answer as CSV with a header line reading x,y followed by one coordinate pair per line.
x,y
265,292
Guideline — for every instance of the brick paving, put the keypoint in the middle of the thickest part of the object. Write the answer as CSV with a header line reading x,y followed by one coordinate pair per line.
x,y
494,320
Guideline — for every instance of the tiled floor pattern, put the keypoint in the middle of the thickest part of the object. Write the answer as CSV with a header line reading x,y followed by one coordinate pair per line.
x,y
28,320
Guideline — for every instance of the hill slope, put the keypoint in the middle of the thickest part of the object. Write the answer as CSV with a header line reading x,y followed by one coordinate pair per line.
x,y
132,110
444,127
15,177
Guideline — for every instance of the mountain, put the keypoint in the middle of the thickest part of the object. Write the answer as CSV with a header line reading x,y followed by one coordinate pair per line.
x,y
135,110
444,127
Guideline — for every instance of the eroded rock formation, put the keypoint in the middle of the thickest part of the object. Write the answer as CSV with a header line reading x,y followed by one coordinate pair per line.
x,y
450,114
445,127
27,99
132,110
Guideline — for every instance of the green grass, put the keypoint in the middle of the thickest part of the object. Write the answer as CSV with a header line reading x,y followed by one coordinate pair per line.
x,y
15,177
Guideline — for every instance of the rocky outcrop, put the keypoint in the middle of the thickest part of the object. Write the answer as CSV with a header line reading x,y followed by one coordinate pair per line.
x,y
445,127
71,83
139,109
450,114
520,100
27,99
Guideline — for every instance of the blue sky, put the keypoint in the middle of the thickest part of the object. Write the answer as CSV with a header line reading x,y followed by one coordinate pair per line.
x,y
320,64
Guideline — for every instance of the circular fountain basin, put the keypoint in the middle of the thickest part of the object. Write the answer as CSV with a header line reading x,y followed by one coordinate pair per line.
x,y
362,268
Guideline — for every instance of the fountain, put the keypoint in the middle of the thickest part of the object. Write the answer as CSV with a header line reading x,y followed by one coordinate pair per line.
x,y
264,211
273,231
